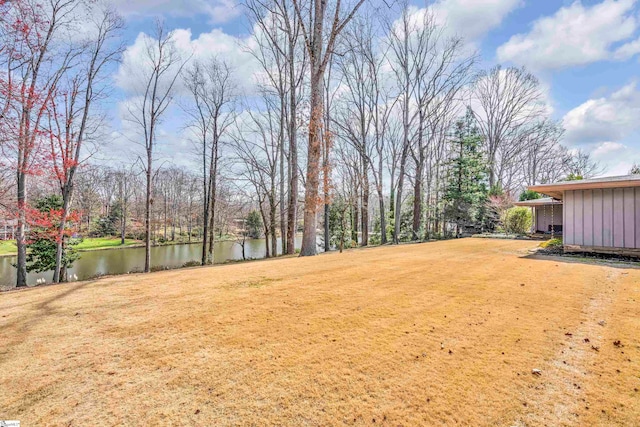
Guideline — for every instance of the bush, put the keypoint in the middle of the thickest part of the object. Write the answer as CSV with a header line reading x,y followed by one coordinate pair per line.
x,y
552,244
517,220
192,264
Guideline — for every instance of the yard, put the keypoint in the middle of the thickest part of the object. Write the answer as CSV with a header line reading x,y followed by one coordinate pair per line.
x,y
428,334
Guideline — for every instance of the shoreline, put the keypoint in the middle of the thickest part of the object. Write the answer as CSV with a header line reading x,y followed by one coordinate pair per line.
x,y
133,245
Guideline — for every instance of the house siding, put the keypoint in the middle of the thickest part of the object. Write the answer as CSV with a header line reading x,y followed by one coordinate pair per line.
x,y
608,218
544,219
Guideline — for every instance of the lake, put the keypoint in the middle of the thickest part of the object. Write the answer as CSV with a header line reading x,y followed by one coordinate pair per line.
x,y
126,260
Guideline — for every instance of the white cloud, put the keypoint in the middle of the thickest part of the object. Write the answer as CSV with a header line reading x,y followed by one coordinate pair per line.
x,y
608,147
469,19
217,11
606,127
616,157
611,118
576,35
226,47
473,19
173,138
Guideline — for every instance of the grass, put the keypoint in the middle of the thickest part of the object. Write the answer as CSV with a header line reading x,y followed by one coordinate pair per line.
x,y
444,333
8,247
91,243
552,243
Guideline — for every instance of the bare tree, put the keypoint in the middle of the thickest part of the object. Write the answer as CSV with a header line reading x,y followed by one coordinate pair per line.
x,y
542,157
213,92
160,70
284,61
257,149
71,112
409,52
440,80
319,48
580,165
355,120
509,99
33,63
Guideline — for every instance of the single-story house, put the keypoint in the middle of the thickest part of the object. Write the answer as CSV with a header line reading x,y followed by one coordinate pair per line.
x,y
597,215
547,214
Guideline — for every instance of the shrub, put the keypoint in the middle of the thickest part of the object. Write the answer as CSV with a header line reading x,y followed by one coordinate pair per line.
x,y
517,220
552,244
191,264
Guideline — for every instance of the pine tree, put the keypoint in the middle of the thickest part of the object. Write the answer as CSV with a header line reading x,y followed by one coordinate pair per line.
x,y
254,224
466,187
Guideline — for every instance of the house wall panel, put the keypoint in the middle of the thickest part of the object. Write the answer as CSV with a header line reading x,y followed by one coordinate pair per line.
x,y
587,217
608,218
637,216
578,209
629,218
618,217
569,224
597,218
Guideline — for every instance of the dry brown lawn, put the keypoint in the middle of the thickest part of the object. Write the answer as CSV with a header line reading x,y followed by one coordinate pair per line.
x,y
440,333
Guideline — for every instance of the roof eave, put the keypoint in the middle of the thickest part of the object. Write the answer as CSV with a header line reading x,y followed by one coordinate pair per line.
x,y
557,190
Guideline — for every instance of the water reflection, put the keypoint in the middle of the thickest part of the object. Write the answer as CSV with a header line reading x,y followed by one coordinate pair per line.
x,y
125,260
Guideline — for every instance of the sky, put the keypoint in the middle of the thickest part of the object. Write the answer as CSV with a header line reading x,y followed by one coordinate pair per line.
x,y
585,53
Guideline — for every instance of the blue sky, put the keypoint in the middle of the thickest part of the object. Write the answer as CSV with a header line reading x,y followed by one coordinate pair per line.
x,y
585,54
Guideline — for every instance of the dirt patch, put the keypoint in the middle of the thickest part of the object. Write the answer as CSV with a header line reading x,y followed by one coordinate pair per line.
x,y
444,333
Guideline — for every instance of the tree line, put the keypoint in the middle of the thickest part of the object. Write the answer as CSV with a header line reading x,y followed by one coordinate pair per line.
x,y
376,124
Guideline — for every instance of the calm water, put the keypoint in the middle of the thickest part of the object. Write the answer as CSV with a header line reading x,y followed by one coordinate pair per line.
x,y
125,260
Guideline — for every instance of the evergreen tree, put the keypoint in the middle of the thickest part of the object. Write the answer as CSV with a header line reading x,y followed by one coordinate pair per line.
x,y
44,222
466,189
254,224
339,226
529,195
108,225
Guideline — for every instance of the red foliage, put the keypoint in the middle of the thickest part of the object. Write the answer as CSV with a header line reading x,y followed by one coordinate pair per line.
x,y
25,93
45,225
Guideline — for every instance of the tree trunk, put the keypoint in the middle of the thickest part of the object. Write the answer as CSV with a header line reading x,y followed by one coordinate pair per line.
x,y
398,207
58,269
365,203
313,164
165,218
205,207
327,237
21,264
354,221
213,187
123,223
272,217
383,220
417,201
147,216
292,212
283,221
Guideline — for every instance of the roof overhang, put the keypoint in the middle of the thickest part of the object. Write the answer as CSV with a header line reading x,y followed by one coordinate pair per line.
x,y
545,201
557,190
